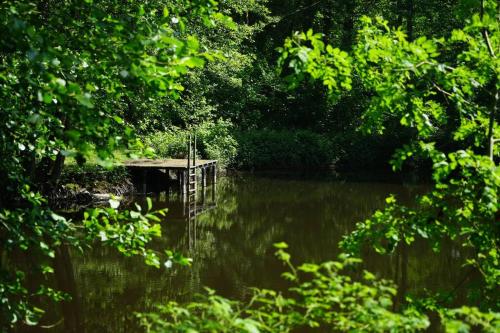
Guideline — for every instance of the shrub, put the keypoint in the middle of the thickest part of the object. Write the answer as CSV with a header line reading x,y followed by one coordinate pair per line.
x,y
323,297
273,149
169,144
214,141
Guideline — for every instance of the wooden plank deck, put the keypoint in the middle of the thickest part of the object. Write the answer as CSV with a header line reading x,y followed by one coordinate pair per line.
x,y
173,164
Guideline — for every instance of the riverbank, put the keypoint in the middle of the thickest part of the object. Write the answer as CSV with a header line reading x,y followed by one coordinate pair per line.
x,y
90,185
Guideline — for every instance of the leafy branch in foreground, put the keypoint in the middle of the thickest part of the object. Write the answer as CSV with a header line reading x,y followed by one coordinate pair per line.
x,y
446,91
129,231
462,207
66,68
321,296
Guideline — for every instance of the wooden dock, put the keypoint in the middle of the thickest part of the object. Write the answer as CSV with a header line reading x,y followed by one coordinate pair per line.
x,y
183,172
171,164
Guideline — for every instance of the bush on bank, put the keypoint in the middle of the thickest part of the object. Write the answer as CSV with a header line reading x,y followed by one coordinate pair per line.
x,y
252,149
284,149
213,141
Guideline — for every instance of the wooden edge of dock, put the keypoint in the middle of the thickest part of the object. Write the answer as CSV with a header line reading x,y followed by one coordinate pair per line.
x,y
168,163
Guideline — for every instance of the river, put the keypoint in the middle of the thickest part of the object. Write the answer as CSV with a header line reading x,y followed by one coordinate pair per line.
x,y
230,242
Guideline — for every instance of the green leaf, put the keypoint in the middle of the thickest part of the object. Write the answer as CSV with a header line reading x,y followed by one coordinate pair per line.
x,y
85,100
193,62
281,245
114,203
118,119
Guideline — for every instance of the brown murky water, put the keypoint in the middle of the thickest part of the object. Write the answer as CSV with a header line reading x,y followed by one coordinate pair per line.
x,y
231,245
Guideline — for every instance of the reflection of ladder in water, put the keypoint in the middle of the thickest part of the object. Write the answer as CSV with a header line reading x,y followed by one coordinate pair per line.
x,y
191,208
192,232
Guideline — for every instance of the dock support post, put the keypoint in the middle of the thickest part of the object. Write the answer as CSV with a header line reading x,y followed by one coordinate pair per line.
x,y
184,182
214,173
181,177
203,177
169,181
144,181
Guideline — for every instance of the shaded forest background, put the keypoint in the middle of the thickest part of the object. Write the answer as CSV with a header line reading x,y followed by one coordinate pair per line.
x,y
241,107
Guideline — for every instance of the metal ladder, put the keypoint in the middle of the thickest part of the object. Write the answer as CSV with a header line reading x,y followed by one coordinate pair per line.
x,y
191,167
191,191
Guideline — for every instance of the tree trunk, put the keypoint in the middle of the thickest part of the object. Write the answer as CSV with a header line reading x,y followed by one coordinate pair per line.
x,y
348,24
57,170
493,113
399,13
409,19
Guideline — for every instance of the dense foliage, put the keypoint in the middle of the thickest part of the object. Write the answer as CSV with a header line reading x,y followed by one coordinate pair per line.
x,y
321,296
433,93
445,91
79,78
284,149
65,69
214,140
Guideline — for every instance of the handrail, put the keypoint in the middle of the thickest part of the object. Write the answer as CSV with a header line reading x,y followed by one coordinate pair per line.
x,y
194,152
191,150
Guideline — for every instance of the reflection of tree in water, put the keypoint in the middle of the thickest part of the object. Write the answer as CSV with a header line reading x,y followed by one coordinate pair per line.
x,y
312,217
234,247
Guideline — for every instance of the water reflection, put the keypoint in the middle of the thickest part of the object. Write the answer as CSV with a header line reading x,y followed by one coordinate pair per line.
x,y
230,240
